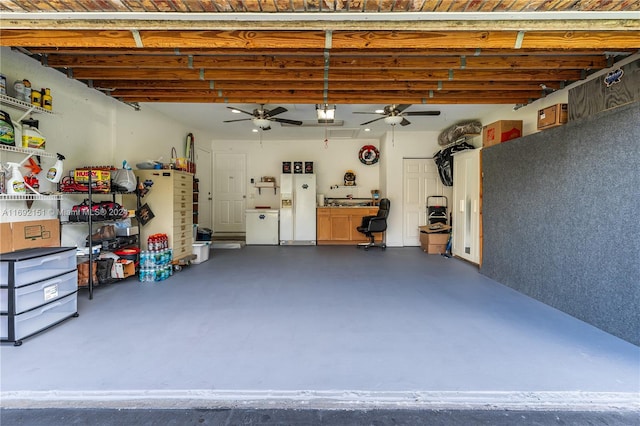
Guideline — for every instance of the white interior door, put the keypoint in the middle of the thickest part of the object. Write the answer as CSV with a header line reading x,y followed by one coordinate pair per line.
x,y
205,197
229,198
420,180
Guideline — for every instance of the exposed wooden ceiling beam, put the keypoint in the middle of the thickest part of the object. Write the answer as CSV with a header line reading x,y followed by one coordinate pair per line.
x,y
402,98
255,85
335,52
315,40
298,96
313,23
334,75
283,62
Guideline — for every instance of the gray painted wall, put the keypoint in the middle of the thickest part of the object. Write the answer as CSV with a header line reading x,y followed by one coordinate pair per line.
x,y
561,216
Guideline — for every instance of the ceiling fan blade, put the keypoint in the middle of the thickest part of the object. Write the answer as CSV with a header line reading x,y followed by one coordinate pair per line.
x,y
275,111
266,128
284,120
237,109
422,113
240,119
371,121
404,122
400,108
362,112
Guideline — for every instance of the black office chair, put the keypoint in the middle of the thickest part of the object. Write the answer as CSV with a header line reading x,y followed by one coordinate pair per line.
x,y
375,224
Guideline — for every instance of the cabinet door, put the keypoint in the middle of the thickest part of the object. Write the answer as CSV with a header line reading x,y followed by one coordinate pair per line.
x,y
466,205
323,225
340,227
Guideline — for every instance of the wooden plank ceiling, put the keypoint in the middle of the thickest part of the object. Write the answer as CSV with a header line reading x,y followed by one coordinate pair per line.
x,y
146,51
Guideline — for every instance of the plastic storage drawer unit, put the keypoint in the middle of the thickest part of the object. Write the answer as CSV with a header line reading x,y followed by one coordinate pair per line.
x,y
38,289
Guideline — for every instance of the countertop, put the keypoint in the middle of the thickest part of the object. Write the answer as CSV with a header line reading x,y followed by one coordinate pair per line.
x,y
345,207
348,203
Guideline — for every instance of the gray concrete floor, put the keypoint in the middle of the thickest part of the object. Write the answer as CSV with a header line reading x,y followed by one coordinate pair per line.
x,y
321,327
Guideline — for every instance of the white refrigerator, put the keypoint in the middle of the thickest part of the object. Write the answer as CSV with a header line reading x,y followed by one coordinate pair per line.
x,y
298,209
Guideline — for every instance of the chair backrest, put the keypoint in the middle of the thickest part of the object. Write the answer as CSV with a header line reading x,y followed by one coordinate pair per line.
x,y
385,205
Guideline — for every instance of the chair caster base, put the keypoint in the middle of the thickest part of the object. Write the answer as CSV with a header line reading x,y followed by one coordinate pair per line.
x,y
367,246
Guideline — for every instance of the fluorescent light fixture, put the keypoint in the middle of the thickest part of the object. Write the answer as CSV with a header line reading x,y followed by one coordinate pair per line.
x,y
263,123
367,129
393,119
326,113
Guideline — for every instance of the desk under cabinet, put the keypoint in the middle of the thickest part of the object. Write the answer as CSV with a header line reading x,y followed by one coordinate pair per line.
x,y
38,289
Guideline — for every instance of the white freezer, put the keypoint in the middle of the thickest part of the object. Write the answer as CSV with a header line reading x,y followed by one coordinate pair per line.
x,y
261,226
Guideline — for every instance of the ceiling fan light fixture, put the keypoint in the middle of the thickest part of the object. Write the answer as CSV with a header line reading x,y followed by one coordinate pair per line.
x,y
326,113
393,119
263,123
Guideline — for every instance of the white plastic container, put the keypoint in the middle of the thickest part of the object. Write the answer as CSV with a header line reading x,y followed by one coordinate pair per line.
x,y
32,138
15,183
201,250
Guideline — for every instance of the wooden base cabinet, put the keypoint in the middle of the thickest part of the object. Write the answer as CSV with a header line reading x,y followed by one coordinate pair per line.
x,y
171,201
337,225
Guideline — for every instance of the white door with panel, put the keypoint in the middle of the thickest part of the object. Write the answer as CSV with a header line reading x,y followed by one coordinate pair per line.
x,y
230,197
466,205
420,180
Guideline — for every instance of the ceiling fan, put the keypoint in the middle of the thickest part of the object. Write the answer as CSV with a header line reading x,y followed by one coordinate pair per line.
x,y
263,117
395,114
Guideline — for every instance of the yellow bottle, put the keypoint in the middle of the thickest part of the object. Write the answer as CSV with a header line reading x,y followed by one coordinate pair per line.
x,y
36,98
47,100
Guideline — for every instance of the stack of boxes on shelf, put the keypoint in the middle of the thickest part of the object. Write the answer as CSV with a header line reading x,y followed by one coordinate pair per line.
x,y
553,116
506,130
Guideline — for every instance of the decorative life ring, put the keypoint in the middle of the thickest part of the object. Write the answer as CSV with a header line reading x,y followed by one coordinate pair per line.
x,y
369,155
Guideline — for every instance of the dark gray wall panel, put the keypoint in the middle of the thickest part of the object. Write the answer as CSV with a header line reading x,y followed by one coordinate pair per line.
x,y
561,217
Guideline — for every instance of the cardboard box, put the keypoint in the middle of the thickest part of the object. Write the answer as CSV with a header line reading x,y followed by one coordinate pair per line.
x,y
555,115
34,233
123,268
82,176
433,243
100,179
436,248
437,228
5,238
501,131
